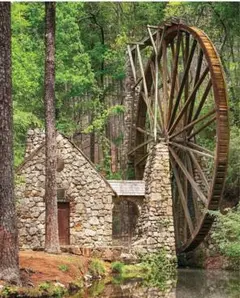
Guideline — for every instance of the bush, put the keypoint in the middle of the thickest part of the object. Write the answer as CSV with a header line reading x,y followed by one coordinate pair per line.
x,y
96,268
162,268
117,267
227,232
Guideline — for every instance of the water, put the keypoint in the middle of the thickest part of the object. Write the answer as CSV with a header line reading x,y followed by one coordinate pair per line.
x,y
191,283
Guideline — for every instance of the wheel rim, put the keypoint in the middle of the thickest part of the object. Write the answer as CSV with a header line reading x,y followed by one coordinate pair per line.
x,y
187,110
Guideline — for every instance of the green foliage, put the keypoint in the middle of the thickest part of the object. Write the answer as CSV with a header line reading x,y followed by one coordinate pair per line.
x,y
117,267
63,268
227,232
97,268
156,269
233,177
162,268
22,120
45,289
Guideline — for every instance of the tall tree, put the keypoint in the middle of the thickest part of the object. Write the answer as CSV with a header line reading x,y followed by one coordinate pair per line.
x,y
51,236
9,269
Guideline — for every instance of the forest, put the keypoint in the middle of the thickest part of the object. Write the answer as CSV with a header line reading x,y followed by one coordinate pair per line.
x,y
90,80
91,41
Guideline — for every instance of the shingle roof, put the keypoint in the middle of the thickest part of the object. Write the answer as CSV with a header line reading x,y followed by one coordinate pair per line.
x,y
128,187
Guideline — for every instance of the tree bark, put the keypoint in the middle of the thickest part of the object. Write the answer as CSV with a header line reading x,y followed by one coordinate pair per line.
x,y
9,267
51,223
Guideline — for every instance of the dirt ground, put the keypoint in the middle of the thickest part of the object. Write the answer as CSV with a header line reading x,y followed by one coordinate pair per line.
x,y
37,267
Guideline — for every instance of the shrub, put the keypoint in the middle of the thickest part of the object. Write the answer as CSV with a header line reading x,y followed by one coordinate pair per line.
x,y
117,267
96,268
227,232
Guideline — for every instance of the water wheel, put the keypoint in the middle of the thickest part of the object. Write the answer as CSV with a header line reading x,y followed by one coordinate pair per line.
x,y
182,102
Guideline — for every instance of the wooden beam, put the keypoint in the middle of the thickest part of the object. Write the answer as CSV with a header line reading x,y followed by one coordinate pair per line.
x,y
144,132
182,83
140,146
194,145
190,125
191,150
198,167
202,127
189,177
182,197
142,71
174,73
191,96
197,75
203,99
141,159
132,63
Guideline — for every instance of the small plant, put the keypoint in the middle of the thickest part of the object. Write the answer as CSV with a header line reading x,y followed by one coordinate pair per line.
x,y
117,267
96,268
63,268
44,286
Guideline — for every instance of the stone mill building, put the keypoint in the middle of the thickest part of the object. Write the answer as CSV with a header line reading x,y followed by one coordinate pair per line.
x,y
93,212
84,196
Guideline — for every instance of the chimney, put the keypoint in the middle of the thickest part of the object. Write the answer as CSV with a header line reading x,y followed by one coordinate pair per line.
x,y
35,137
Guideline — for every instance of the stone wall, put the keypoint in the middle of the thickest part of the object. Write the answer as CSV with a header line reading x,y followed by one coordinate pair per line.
x,y
155,226
88,194
35,137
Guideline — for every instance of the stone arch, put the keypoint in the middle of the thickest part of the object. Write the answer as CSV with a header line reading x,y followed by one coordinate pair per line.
x,y
125,215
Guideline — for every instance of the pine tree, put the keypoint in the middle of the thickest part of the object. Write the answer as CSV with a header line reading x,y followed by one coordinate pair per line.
x,y
9,268
51,236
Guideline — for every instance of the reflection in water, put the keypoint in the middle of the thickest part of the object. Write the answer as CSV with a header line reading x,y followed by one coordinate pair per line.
x,y
191,283
208,284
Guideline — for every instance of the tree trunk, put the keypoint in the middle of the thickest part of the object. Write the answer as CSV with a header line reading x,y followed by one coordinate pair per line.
x,y
9,268
51,224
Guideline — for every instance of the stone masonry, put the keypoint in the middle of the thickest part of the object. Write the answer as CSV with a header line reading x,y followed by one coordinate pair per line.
x,y
88,193
155,226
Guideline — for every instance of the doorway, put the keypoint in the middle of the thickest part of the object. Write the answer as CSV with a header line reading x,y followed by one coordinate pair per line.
x,y
63,223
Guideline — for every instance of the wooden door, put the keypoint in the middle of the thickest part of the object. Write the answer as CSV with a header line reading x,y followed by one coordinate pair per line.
x,y
63,223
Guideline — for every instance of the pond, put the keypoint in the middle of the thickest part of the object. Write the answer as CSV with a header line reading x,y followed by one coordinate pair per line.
x,y
191,283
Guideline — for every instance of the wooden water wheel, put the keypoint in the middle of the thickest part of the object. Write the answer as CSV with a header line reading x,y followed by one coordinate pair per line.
x,y
182,102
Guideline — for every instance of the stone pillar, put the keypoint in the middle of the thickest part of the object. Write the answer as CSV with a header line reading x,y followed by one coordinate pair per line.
x,y
130,104
156,226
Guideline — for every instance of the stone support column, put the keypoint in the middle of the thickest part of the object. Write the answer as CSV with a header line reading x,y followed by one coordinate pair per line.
x,y
156,226
130,104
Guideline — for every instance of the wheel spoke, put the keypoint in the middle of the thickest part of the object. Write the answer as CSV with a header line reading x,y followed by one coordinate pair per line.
x,y
144,132
185,75
197,74
191,150
200,148
191,125
182,196
203,99
140,146
189,177
150,112
202,127
191,96
194,198
144,157
165,80
157,103
199,169
174,73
